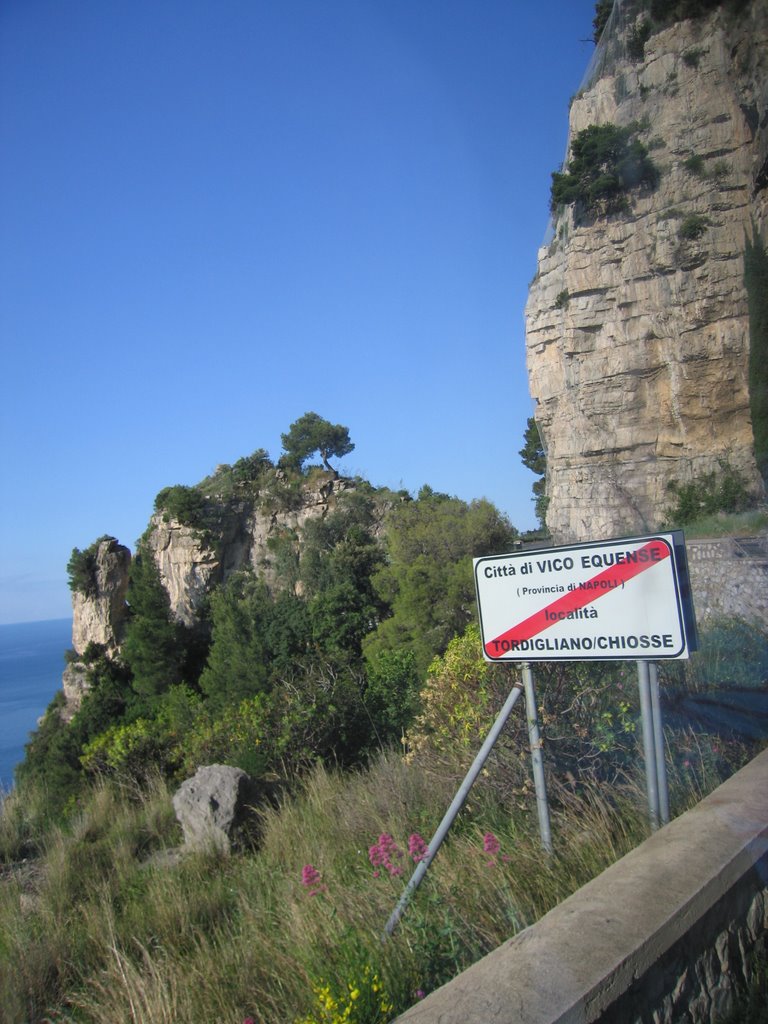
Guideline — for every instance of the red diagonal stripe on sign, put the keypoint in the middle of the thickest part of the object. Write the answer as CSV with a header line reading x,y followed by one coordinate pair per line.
x,y
613,577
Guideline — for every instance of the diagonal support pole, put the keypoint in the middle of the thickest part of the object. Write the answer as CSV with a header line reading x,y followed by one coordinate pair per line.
x,y
450,815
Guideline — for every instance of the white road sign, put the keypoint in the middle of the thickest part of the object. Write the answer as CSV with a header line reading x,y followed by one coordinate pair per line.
x,y
619,600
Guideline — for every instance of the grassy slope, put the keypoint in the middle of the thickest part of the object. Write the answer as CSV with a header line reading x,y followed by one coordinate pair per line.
x,y
105,928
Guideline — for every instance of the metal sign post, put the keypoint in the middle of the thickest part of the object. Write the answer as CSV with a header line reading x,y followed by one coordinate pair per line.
x,y
649,744
653,748
653,744
534,738
658,736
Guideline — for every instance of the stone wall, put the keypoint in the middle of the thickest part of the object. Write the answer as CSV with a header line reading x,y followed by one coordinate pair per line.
x,y
661,936
729,578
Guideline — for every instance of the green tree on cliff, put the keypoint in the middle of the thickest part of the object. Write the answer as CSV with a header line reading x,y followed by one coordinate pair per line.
x,y
603,9
154,647
239,659
340,558
311,433
428,580
535,458
82,566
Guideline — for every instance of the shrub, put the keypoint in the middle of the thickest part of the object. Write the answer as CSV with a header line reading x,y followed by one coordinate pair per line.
x,y
639,35
694,164
184,504
587,710
248,469
607,163
240,480
562,299
127,749
693,226
603,9
708,493
81,567
692,57
237,735
455,699
391,693
665,12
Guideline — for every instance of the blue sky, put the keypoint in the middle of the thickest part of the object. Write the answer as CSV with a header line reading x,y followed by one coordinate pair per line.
x,y
216,216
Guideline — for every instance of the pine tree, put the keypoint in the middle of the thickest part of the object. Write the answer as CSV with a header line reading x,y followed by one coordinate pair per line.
x,y
153,647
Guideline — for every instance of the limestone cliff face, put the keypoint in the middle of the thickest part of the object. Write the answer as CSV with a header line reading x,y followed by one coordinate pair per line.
x,y
637,339
193,561
99,614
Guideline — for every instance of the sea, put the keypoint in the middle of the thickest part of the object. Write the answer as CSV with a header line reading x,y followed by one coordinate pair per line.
x,y
31,666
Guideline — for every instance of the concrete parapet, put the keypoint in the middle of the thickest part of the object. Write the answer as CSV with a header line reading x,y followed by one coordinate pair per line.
x,y
662,935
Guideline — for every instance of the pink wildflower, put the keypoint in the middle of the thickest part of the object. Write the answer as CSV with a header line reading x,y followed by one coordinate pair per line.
x,y
383,854
491,846
311,879
419,993
417,848
490,843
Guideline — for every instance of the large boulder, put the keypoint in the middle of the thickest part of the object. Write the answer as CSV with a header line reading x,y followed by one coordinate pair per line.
x,y
216,806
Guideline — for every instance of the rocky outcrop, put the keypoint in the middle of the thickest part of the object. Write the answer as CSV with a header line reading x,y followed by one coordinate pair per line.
x,y
239,534
192,560
98,612
260,529
637,332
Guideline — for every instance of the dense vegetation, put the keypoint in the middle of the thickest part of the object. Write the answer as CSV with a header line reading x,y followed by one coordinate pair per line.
x,y
606,164
326,661
717,492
